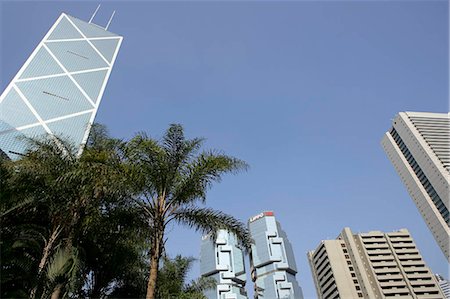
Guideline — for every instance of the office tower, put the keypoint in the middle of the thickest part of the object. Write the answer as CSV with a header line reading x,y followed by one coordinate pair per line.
x,y
444,285
418,146
222,259
372,265
272,261
58,90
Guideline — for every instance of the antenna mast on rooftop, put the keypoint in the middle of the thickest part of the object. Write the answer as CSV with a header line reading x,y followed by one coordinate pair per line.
x,y
95,12
110,19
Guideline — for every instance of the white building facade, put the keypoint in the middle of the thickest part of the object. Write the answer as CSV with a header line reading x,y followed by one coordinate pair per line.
x,y
444,284
372,265
418,146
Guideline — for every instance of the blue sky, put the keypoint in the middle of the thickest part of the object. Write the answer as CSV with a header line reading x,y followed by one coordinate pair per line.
x,y
301,90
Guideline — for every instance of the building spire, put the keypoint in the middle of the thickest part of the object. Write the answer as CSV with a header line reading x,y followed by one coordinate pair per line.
x,y
110,20
95,12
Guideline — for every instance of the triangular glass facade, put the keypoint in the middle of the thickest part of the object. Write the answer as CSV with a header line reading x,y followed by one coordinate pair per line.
x,y
59,88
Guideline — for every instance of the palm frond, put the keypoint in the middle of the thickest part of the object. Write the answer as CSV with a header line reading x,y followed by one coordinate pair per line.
x,y
60,264
179,149
146,163
201,284
22,203
63,270
209,221
209,167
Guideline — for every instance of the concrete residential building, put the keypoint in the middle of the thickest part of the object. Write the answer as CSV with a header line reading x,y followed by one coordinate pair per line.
x,y
372,265
272,261
223,260
444,284
58,90
418,146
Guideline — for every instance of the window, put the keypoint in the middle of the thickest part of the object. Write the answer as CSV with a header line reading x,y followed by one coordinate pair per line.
x,y
353,275
347,257
349,263
350,268
358,288
360,295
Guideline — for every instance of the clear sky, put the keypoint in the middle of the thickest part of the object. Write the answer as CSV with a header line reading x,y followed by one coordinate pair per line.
x,y
301,90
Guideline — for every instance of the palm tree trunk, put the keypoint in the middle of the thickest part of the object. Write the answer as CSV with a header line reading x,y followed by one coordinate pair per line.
x,y
45,254
56,291
154,263
71,232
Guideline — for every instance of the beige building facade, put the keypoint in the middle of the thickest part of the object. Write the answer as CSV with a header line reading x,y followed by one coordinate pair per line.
x,y
372,265
418,145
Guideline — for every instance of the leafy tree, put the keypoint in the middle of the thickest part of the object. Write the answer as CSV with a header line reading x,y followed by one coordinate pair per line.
x,y
65,193
171,282
21,235
170,178
114,244
68,226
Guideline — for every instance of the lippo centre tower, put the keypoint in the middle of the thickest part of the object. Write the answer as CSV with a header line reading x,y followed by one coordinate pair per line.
x,y
272,261
58,90
222,259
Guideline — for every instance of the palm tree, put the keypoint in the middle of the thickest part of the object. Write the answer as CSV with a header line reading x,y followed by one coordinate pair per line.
x,y
113,246
66,189
172,276
19,242
169,178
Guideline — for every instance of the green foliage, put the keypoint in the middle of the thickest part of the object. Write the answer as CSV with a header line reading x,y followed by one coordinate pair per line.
x,y
52,191
171,281
85,226
20,240
171,176
64,269
114,246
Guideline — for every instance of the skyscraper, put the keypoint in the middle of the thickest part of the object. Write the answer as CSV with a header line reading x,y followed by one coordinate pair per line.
x,y
444,284
58,90
418,146
272,261
372,265
223,260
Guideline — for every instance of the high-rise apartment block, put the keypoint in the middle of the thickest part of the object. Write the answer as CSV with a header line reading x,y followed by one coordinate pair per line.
x,y
58,90
418,146
444,284
372,265
222,259
272,262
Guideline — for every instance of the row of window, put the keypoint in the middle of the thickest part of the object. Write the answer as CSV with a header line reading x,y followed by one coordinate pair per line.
x,y
324,265
428,120
422,177
320,252
352,273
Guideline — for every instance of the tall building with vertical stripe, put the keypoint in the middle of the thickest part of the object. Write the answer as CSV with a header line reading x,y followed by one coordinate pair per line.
x,y
418,146
444,284
58,90
222,259
272,261
372,265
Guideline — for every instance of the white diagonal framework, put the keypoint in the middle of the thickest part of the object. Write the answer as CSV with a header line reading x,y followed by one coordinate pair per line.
x,y
81,39
64,107
90,43
63,74
41,121
69,75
